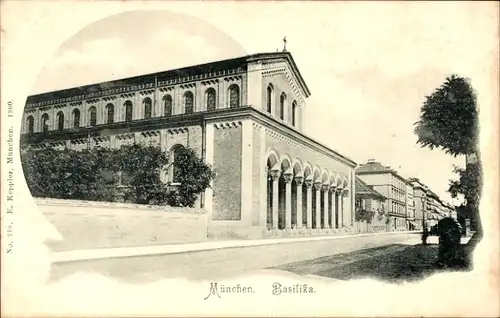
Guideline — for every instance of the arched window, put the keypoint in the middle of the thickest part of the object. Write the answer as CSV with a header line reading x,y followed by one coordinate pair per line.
x,y
76,118
128,110
147,103
176,150
45,122
188,102
294,113
234,96
31,124
282,106
167,105
60,121
210,98
93,116
110,110
269,98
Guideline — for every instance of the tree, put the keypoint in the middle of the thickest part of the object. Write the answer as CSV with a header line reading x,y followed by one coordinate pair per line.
x,y
469,183
101,174
194,177
449,119
141,167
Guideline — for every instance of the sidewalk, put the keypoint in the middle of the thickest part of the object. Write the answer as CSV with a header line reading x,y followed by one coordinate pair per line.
x,y
103,253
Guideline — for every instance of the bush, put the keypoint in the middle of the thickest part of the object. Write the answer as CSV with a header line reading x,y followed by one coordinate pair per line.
x,y
131,173
193,176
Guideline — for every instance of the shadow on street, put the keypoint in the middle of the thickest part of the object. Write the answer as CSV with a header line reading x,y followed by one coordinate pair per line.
x,y
394,263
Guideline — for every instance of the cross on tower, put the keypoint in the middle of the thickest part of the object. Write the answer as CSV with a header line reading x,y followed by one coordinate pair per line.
x,y
284,44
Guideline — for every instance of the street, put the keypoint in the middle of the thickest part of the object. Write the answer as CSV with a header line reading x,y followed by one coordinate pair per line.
x,y
226,263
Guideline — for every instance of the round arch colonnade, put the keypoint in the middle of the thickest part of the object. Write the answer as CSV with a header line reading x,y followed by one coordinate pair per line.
x,y
303,195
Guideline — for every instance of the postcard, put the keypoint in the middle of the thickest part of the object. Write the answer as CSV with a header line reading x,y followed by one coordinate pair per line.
x,y
305,158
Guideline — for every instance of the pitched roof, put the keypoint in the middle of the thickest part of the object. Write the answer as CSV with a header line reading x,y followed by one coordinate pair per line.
x,y
363,189
188,71
373,166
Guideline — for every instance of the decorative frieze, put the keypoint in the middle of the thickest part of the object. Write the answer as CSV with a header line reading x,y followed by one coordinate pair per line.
x,y
176,131
78,141
89,101
109,98
167,89
188,85
210,82
271,72
256,126
229,124
151,133
56,144
127,95
101,139
146,92
232,78
124,136
75,104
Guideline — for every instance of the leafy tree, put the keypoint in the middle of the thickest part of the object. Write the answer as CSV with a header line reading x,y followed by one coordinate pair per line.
x,y
102,174
63,174
448,118
141,167
449,121
193,176
469,183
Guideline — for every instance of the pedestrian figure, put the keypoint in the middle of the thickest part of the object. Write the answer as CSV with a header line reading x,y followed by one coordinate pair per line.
x,y
450,232
425,234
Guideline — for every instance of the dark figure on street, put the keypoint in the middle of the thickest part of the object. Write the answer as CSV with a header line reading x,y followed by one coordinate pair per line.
x,y
450,232
425,235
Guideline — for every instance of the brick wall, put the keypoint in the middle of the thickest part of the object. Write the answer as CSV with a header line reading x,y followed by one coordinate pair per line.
x,y
88,225
227,166
256,170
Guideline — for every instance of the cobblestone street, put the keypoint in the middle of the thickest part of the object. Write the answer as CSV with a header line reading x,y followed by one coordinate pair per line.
x,y
395,263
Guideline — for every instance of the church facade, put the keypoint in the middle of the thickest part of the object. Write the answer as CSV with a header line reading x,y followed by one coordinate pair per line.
x,y
243,116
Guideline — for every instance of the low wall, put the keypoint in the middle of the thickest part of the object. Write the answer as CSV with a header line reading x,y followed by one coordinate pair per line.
x,y
87,225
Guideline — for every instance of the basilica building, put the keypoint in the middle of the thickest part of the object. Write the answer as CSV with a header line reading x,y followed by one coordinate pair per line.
x,y
243,116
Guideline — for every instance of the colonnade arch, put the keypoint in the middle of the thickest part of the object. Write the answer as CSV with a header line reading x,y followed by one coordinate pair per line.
x,y
300,195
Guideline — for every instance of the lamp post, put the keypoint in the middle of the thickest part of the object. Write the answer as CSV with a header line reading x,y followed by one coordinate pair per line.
x,y
425,233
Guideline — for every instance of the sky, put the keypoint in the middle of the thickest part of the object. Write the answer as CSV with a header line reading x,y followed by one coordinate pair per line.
x,y
369,66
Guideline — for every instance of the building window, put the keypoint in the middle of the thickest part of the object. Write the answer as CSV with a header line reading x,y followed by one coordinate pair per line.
x,y
176,150
210,98
147,103
234,96
31,124
188,102
110,109
45,122
128,110
93,116
167,105
60,121
282,106
270,91
76,118
294,113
